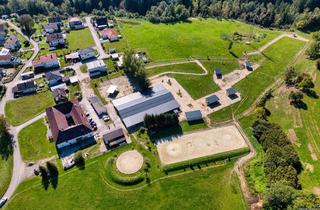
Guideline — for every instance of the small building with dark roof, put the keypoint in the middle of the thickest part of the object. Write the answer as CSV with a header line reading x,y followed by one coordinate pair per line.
x,y
24,88
218,73
55,19
194,116
101,22
114,138
98,106
231,92
212,100
248,65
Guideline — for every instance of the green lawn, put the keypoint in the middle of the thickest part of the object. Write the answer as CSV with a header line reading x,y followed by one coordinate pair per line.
x,y
80,39
215,188
200,86
34,143
5,174
23,109
186,68
304,123
277,57
187,126
198,38
74,90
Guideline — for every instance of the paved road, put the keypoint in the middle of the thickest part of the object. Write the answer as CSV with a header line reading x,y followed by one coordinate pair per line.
x,y
18,164
102,53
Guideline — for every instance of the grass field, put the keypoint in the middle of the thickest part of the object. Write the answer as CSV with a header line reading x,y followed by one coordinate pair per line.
x,y
5,174
197,38
186,68
34,143
80,39
25,108
277,57
88,189
200,86
305,124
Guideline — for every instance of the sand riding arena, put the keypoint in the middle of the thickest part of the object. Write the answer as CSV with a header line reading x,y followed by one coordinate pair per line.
x,y
200,144
129,162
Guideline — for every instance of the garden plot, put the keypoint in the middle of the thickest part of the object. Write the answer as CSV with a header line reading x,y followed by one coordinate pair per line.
x,y
201,144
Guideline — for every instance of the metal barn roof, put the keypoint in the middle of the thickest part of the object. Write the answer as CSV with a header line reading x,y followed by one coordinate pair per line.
x,y
231,91
212,99
133,108
194,115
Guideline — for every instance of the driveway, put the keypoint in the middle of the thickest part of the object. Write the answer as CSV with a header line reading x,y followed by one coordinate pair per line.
x,y
96,39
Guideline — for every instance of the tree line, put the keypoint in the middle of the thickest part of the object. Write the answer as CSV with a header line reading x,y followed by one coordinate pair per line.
x,y
161,121
303,14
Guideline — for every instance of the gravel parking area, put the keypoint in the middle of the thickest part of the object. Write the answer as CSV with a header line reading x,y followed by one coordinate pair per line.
x,y
201,144
124,86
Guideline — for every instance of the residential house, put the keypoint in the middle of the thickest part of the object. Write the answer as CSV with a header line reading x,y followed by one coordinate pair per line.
x,y
55,40
49,61
75,23
7,59
87,53
98,106
134,107
101,22
60,95
96,68
114,138
24,88
69,128
109,34
56,19
54,78
12,43
52,28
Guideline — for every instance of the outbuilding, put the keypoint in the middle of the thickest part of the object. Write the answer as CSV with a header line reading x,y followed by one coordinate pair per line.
x,y
194,116
231,92
98,106
212,100
114,138
218,73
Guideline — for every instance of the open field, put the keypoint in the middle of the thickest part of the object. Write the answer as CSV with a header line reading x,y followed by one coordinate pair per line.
x,y
200,144
186,68
80,39
200,86
23,109
34,143
89,189
197,38
5,174
277,57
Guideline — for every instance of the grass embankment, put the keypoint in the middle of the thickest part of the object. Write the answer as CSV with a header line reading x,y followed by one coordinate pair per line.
x,y
25,108
185,68
198,38
277,57
34,143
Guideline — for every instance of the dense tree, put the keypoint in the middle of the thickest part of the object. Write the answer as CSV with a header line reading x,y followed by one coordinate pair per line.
x,y
295,97
157,122
279,196
290,76
6,144
26,23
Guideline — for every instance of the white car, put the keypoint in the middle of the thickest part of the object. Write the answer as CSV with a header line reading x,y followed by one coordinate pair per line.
x,y
3,201
105,118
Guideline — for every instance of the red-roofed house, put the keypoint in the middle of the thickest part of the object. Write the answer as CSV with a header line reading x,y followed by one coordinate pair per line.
x,y
48,61
68,125
12,43
109,33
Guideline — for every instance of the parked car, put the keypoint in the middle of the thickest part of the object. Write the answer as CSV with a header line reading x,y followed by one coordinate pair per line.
x,y
87,114
3,201
105,118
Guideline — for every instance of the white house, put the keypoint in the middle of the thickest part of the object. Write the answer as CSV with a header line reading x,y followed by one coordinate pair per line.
x,y
55,39
7,59
87,53
96,68
48,61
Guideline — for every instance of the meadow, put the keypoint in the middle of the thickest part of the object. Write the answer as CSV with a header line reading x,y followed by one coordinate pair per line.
x,y
5,173
198,38
34,142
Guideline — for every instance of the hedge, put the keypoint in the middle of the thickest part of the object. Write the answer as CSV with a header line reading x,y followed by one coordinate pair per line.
x,y
204,160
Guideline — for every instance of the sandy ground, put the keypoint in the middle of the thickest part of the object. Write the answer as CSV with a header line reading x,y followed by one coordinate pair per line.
x,y
200,144
124,86
129,162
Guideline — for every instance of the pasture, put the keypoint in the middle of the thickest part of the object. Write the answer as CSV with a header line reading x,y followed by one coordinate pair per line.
x,y
5,173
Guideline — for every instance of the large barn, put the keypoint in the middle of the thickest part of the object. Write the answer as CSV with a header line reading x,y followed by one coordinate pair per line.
x,y
133,108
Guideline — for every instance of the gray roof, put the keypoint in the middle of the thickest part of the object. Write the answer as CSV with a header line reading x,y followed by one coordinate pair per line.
x,y
97,105
212,99
231,91
86,50
194,115
133,108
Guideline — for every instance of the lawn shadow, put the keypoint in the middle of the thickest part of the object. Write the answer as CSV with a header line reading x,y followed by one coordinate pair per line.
x,y
300,105
195,122
167,134
233,54
6,146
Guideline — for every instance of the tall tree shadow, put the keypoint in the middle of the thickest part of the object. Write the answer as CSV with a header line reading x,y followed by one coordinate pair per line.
x,y
6,146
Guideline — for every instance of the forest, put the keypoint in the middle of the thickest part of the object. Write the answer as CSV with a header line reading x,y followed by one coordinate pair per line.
x,y
301,14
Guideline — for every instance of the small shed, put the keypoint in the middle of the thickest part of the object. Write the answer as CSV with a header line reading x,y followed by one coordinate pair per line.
x,y
194,115
73,80
114,138
112,89
211,100
218,73
231,92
